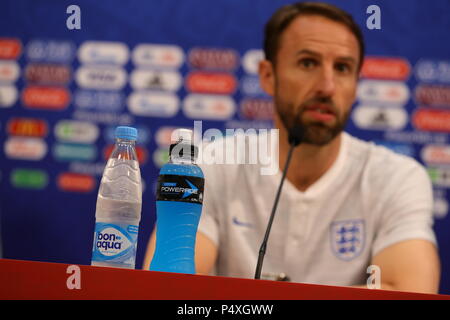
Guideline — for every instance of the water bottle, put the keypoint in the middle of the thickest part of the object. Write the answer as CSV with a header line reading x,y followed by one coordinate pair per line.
x,y
179,198
119,204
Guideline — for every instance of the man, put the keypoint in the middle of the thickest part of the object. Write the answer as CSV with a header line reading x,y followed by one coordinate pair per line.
x,y
346,204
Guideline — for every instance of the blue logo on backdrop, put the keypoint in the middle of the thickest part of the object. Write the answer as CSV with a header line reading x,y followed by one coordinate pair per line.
x,y
347,238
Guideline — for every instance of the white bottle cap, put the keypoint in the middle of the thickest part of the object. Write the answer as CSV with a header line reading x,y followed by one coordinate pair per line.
x,y
181,135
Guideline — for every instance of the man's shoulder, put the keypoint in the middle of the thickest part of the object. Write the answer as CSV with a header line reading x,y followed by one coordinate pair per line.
x,y
380,159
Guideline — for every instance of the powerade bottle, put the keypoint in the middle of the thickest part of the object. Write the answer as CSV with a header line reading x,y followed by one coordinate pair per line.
x,y
179,198
119,204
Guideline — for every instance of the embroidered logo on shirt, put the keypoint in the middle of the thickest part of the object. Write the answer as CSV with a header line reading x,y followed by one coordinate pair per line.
x,y
347,238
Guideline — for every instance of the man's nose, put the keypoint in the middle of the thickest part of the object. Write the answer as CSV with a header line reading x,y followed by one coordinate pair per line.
x,y
326,83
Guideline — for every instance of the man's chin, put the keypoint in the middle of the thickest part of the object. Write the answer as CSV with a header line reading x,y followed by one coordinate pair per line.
x,y
320,135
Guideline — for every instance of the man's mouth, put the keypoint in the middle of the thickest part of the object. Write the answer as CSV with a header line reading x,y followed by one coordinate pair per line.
x,y
320,112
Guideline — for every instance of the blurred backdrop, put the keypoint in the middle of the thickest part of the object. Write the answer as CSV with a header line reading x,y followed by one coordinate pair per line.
x,y
159,65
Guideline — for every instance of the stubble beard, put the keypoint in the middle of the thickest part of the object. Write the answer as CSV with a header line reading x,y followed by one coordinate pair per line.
x,y
314,132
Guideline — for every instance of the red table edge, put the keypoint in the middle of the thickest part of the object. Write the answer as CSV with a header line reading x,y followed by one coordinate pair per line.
x,y
22,279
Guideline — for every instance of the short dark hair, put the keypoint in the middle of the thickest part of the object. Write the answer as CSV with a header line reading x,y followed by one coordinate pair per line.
x,y
282,18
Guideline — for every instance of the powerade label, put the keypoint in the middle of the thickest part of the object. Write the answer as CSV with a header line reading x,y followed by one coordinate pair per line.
x,y
180,188
115,243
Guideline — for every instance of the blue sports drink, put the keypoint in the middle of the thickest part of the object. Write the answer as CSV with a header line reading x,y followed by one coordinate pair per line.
x,y
179,201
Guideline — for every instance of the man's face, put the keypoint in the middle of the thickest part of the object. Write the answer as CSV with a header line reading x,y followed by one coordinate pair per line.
x,y
314,79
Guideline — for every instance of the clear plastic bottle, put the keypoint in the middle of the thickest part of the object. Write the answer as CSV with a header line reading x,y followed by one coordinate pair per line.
x,y
119,205
178,207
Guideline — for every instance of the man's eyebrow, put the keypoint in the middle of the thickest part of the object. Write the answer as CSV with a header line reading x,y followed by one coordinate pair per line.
x,y
307,51
314,53
348,59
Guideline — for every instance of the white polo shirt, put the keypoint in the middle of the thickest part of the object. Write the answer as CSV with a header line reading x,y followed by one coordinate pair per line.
x,y
368,200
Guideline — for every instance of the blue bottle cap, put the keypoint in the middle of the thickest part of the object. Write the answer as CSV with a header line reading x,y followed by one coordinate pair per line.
x,y
128,133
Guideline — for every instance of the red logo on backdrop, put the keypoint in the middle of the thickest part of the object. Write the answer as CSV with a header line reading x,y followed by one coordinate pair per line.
x,y
47,73
164,135
202,82
433,95
168,57
75,182
9,71
436,154
217,59
385,68
10,48
257,109
140,152
432,120
47,98
27,127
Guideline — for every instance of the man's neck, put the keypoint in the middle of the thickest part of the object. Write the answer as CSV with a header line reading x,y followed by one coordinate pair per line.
x,y
308,162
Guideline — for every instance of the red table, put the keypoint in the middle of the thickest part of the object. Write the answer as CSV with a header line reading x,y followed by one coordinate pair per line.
x,y
41,280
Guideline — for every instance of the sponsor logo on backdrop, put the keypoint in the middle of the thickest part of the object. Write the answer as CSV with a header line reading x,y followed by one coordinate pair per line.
x,y
75,182
386,68
29,179
211,107
27,127
76,131
87,168
47,98
416,137
141,153
103,52
440,177
155,79
383,91
440,205
163,136
50,51
251,59
256,109
401,148
153,104
9,71
213,59
47,74
431,120
167,56
99,100
436,154
104,117
101,77
160,157
8,96
143,134
74,152
206,82
433,95
24,148
246,124
10,48
379,118
250,86
433,70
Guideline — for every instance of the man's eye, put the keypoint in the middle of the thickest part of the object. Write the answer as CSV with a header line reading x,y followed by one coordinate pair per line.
x,y
307,63
343,67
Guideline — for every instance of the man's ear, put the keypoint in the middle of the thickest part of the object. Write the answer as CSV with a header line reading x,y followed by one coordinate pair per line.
x,y
267,77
